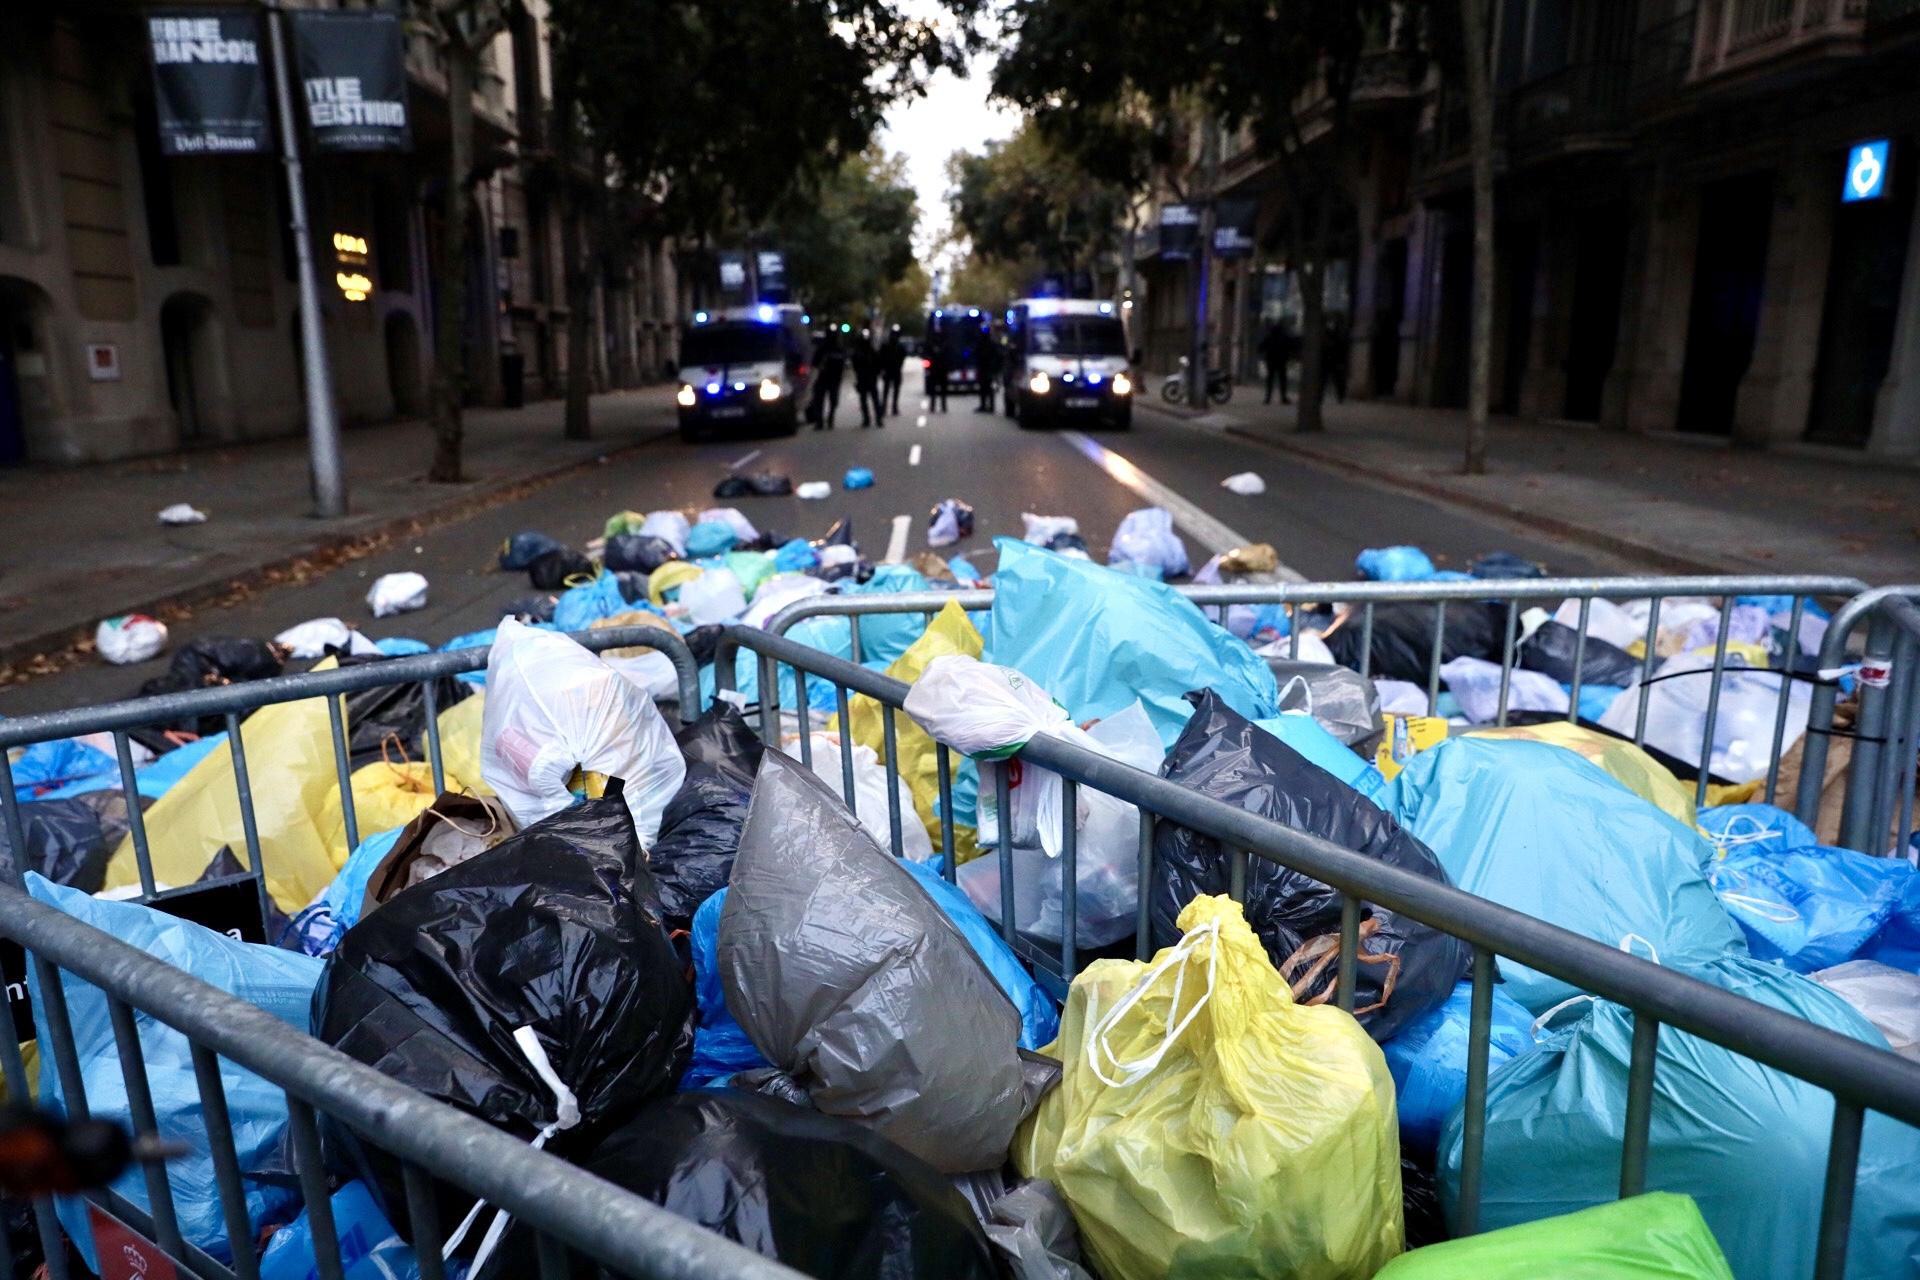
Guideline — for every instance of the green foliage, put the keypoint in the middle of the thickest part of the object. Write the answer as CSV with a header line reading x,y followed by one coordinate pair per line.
x,y
847,236
904,301
977,282
1027,204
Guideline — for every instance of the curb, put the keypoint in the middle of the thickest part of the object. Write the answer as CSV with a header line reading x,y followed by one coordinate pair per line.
x,y
1657,558
51,651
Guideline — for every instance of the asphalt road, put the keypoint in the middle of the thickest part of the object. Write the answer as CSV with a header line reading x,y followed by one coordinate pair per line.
x,y
1317,520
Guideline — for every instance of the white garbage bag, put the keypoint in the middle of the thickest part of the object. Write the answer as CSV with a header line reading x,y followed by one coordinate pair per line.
x,y
813,490
1605,621
397,593
131,637
776,593
1743,729
730,516
312,639
1887,997
1146,536
556,713
978,709
670,527
1244,483
182,513
1475,684
714,596
1044,529
652,672
869,798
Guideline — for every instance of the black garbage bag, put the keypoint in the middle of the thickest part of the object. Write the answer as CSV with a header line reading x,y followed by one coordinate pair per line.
x,y
637,552
215,660
389,721
558,569
65,842
702,642
632,585
857,570
1426,1222
699,833
764,484
533,608
1403,637
1067,542
1404,967
818,1193
733,487
522,549
839,533
1549,650
765,540
556,929
720,736
1505,566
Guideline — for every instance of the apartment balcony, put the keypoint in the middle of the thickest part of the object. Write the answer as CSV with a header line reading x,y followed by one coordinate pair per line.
x,y
1745,39
1578,108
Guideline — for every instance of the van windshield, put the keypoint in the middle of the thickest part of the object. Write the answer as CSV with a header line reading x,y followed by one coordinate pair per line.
x,y
719,344
1077,336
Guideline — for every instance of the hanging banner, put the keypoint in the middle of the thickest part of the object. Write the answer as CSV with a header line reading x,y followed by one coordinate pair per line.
x,y
352,76
1179,231
209,88
772,266
1233,228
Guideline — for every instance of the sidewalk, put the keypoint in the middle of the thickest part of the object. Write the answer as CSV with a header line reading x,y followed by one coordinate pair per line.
x,y
1682,506
82,543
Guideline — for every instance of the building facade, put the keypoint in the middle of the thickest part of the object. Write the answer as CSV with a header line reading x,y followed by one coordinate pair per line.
x,y
148,303
1674,252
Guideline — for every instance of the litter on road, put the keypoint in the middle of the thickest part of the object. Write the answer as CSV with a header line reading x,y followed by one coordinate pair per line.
x,y
182,513
1244,483
130,638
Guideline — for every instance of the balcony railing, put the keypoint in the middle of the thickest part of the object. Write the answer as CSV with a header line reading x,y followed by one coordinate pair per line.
x,y
1735,35
1586,102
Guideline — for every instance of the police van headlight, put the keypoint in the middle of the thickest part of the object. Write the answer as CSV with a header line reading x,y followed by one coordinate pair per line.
x,y
1122,385
770,389
687,397
1040,383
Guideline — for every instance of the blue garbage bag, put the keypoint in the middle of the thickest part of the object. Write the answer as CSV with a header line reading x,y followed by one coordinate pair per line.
x,y
796,555
1393,564
963,571
1039,1015
482,640
1754,828
710,538
402,646
580,607
320,926
281,982
857,478
1898,942
1096,640
720,1045
370,1249
1809,908
828,635
44,767
1428,1060
1541,829
1271,622
151,781
1311,739
1748,1143
884,637
522,549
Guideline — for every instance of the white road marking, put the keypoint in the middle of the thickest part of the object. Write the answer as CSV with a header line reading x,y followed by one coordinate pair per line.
x,y
913,456
926,403
920,421
738,463
897,542
1213,534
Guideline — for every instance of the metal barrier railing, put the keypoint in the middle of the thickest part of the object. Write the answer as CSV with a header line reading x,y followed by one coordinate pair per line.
x,y
1879,800
564,1205
1514,594
1860,1077
314,1076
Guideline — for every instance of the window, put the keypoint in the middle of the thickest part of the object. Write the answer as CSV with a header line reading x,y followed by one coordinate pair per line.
x,y
156,185
1078,336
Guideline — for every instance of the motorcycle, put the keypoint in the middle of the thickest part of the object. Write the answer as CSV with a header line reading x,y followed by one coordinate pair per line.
x,y
1174,389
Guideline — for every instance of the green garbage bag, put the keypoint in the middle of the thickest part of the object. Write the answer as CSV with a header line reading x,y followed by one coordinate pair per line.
x,y
1658,1236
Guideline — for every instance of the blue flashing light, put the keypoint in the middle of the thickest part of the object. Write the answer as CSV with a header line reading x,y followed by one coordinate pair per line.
x,y
846,328
739,386
938,312
973,311
806,319
1094,378
713,388
699,317
1106,308
1066,377
766,313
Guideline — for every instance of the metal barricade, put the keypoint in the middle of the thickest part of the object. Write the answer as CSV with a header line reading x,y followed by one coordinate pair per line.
x,y
1878,812
1510,596
567,1206
1861,1078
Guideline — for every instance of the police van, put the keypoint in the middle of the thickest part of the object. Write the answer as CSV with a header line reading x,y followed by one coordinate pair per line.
x,y
744,367
955,338
1067,361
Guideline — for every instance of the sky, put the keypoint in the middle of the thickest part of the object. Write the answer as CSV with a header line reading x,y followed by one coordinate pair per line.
x,y
954,115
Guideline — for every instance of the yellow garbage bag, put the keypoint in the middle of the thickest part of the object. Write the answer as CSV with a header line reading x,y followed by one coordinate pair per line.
x,y
631,618
674,573
290,766
460,745
385,796
950,632
1626,764
1207,1125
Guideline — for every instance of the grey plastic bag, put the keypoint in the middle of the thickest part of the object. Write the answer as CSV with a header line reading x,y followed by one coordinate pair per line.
x,y
845,974
1033,1230
1344,702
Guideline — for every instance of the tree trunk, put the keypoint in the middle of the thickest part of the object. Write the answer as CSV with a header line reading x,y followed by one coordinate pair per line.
x,y
1313,317
448,385
1480,121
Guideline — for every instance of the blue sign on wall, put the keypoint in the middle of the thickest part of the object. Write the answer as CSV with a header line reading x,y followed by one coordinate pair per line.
x,y
1866,172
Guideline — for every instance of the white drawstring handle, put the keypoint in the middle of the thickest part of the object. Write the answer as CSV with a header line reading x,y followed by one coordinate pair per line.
x,y
1305,689
1626,944
1728,839
566,1110
1097,1043
1727,884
